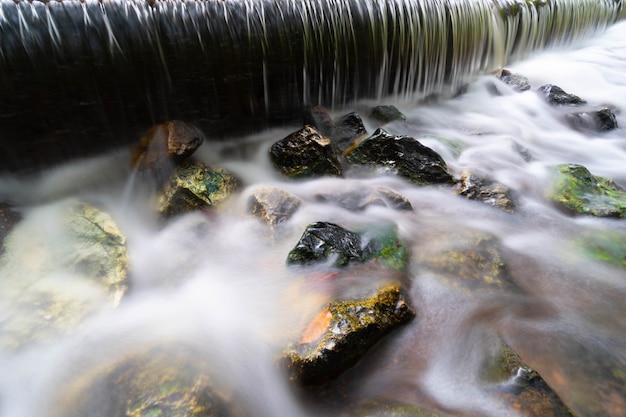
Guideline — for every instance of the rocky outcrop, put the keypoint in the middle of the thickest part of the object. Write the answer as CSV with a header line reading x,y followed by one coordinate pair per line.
x,y
575,190
401,155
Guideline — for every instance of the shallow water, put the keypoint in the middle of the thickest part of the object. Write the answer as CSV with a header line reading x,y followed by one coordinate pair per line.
x,y
218,285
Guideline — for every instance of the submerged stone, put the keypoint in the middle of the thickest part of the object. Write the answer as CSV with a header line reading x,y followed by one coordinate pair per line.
x,y
365,197
517,82
577,191
345,331
604,245
599,120
305,154
557,96
484,190
193,186
322,241
387,114
402,155
272,205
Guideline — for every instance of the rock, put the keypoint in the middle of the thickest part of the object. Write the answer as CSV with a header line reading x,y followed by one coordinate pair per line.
x,y
362,198
165,144
557,96
272,205
155,382
318,118
348,129
599,120
577,191
516,81
402,155
343,332
484,190
462,258
605,245
388,409
304,154
8,218
193,186
387,114
76,265
322,240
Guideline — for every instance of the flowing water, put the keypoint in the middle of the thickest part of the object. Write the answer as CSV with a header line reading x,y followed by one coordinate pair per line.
x,y
218,286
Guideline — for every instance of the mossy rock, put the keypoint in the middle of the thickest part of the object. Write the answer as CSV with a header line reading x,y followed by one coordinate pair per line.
x,y
343,332
193,186
322,241
604,245
577,191
401,155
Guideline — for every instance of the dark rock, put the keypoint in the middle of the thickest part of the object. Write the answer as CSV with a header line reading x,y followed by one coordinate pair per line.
x,y
362,198
194,186
600,120
305,153
8,218
577,191
166,144
348,129
387,114
343,332
272,205
486,191
320,119
404,156
321,241
557,96
516,81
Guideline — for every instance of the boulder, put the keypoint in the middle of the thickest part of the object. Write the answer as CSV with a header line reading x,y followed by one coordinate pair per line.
x,y
193,186
387,114
575,190
362,198
484,190
75,265
273,205
600,120
305,154
343,332
517,82
402,155
557,96
323,241
348,129
166,144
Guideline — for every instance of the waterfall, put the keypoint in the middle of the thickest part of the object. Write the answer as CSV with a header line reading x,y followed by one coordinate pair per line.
x,y
82,76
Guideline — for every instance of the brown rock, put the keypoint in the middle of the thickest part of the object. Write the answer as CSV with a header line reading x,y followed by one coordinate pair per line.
x,y
273,205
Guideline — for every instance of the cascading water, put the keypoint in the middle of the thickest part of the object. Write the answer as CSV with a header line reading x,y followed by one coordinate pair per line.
x,y
211,295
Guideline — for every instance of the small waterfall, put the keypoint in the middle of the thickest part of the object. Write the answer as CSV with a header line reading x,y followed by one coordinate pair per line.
x,y
82,76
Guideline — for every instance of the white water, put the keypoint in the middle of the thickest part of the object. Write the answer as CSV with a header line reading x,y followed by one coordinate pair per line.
x,y
219,285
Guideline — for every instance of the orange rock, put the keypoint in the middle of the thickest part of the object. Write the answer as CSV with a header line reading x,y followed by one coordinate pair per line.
x,y
317,327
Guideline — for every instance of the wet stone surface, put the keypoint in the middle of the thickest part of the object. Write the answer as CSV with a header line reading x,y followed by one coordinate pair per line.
x,y
272,205
489,192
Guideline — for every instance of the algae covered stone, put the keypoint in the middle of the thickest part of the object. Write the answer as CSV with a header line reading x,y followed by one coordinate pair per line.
x,y
341,334
194,186
402,155
604,245
577,191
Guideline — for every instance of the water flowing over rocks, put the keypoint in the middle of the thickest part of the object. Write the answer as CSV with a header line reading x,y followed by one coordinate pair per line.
x,y
193,186
365,197
305,154
402,155
8,218
578,191
555,95
387,114
516,81
486,191
272,205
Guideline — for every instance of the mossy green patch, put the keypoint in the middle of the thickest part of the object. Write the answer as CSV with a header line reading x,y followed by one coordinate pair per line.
x,y
604,245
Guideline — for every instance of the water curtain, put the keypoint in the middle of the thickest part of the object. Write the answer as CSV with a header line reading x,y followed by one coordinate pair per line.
x,y
80,76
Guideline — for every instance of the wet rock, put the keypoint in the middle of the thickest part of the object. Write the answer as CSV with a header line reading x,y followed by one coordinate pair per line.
x,y
462,258
362,198
157,382
323,241
577,191
304,154
8,218
387,114
605,245
516,81
402,155
523,388
487,191
272,205
557,96
166,144
388,409
599,120
348,129
343,332
193,186
76,265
